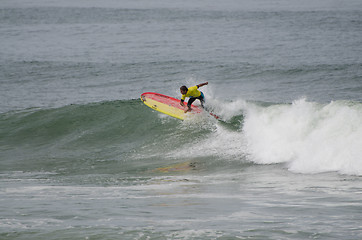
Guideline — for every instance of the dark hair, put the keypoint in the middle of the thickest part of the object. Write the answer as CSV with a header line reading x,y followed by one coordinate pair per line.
x,y
183,88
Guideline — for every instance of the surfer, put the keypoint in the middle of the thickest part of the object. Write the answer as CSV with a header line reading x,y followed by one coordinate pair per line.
x,y
193,93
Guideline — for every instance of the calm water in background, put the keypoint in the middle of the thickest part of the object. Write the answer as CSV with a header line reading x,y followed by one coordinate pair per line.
x,y
81,157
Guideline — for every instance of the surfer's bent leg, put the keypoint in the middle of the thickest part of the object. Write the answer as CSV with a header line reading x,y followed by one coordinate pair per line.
x,y
191,100
202,99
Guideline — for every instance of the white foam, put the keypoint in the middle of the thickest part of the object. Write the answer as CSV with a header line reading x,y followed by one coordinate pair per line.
x,y
310,137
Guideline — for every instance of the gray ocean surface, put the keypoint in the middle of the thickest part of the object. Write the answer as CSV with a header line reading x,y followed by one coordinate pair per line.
x,y
81,157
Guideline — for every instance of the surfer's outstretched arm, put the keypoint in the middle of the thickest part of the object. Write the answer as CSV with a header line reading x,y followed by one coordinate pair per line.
x,y
202,84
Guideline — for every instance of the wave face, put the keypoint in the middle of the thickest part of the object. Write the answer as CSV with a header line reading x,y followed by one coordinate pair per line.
x,y
114,136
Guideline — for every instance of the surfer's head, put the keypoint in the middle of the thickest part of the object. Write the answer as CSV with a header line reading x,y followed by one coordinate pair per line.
x,y
183,90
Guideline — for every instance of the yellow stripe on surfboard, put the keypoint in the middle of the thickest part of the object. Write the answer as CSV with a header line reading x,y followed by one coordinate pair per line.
x,y
165,108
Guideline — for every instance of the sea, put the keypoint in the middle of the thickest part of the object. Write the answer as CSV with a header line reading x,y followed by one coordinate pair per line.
x,y
81,156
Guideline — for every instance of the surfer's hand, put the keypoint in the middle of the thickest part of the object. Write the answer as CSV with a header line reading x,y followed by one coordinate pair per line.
x,y
182,104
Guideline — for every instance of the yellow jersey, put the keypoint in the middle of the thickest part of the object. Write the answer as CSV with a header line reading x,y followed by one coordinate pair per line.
x,y
191,92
